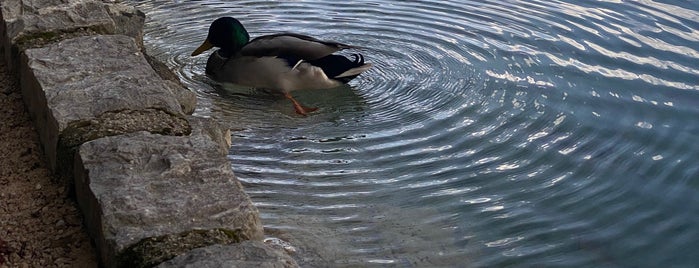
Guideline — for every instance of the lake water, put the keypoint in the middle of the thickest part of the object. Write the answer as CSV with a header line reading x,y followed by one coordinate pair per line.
x,y
487,134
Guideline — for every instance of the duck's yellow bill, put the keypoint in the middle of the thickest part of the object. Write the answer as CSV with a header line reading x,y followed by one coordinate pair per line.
x,y
203,47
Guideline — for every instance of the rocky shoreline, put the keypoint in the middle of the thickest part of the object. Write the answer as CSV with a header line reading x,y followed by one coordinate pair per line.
x,y
153,182
40,225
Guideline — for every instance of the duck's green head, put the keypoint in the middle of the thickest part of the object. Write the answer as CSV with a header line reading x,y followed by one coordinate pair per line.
x,y
226,33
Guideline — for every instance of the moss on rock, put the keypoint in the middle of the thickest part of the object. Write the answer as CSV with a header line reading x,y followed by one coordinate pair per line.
x,y
155,250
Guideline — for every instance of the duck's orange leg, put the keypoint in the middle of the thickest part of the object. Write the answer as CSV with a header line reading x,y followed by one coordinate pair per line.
x,y
300,109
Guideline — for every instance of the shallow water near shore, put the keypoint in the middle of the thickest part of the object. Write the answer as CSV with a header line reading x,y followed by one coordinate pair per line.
x,y
487,134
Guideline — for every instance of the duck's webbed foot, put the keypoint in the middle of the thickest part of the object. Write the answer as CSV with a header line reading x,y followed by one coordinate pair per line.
x,y
300,109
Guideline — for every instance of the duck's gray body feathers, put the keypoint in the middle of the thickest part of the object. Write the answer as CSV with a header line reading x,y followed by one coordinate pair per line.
x,y
301,46
283,62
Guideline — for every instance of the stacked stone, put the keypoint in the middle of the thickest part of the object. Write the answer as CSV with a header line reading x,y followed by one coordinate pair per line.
x,y
152,181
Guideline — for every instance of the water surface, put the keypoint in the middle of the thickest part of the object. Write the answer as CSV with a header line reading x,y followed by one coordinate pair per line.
x,y
488,133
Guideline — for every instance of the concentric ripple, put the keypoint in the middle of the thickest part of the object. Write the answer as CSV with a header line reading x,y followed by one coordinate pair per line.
x,y
487,134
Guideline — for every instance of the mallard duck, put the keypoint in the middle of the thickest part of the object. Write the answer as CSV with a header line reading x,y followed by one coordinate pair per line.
x,y
281,62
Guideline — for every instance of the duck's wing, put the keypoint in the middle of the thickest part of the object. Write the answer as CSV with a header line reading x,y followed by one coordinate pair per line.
x,y
290,44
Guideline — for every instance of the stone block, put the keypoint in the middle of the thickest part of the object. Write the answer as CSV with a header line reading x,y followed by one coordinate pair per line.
x,y
30,23
147,197
210,129
187,98
249,254
89,87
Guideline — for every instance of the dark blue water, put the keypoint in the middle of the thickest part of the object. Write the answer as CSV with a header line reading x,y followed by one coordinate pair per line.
x,y
488,133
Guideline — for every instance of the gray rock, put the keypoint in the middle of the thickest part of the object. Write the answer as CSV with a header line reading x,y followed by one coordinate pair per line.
x,y
253,254
210,129
88,87
30,23
186,98
147,198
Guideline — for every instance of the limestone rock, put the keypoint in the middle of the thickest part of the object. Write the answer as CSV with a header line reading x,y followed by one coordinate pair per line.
x,y
30,23
148,197
253,254
88,87
210,129
187,98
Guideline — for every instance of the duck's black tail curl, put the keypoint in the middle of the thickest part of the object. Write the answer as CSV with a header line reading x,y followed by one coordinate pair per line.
x,y
335,65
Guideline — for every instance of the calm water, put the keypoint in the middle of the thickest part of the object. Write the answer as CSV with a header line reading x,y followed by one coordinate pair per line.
x,y
488,134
